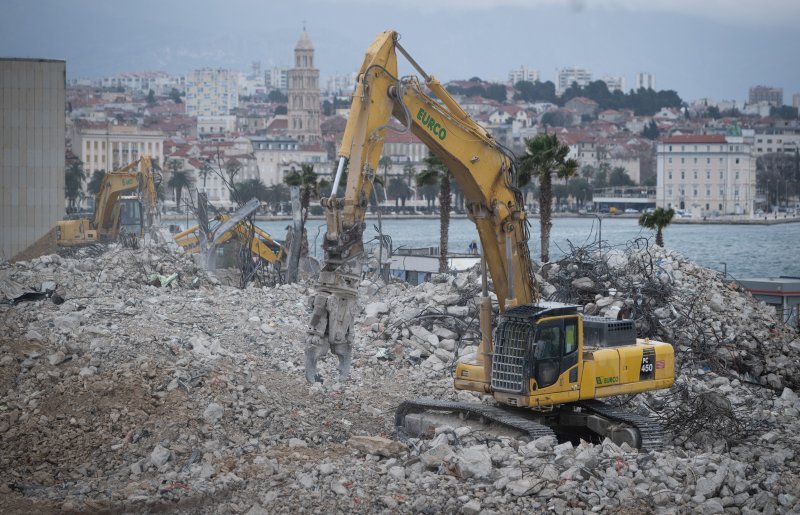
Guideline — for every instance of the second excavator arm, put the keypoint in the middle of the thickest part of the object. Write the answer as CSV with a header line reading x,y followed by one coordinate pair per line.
x,y
483,169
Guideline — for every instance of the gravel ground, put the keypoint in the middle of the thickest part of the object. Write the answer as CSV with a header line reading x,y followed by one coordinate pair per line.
x,y
190,397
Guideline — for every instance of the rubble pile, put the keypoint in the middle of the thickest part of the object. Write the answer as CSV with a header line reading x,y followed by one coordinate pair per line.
x,y
430,325
710,321
154,387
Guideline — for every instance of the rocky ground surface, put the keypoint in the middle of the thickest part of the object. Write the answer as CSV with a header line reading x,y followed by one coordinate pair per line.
x,y
145,391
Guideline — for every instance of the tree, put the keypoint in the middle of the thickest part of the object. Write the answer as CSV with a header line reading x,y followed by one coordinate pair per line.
x,y
74,176
651,131
96,181
399,189
545,156
436,173
309,185
657,220
151,97
281,109
178,181
252,188
619,177
785,112
175,96
276,96
386,163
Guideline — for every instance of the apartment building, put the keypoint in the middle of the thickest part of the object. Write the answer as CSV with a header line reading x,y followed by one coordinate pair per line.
x,y
211,92
645,80
773,96
566,76
614,83
523,73
706,174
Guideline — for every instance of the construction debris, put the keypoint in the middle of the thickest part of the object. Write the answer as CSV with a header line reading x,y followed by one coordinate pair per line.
x,y
191,396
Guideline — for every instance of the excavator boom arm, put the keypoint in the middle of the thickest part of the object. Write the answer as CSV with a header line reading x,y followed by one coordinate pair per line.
x,y
481,167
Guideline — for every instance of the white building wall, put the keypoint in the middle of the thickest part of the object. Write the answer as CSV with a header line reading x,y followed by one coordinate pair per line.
x,y
211,92
706,177
32,144
645,80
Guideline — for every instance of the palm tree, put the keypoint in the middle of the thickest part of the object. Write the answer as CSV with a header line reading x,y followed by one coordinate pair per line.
x,y
657,220
74,176
179,180
386,163
96,182
306,179
544,156
437,173
399,189
252,188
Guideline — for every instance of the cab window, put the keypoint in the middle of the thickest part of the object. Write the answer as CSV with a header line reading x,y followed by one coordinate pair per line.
x,y
550,340
571,336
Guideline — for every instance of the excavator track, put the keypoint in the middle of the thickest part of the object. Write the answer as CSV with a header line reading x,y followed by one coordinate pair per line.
x,y
651,432
489,413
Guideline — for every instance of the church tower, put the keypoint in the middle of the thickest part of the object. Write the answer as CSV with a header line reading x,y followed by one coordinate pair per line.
x,y
303,110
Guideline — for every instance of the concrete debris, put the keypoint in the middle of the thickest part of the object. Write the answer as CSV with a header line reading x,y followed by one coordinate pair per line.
x,y
190,397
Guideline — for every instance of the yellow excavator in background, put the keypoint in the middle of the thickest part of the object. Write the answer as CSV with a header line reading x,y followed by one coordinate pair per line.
x,y
127,203
546,364
261,245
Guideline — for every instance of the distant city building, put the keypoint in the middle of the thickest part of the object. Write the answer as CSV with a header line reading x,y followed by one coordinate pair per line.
x,y
773,96
566,76
276,157
32,103
211,92
303,108
255,70
614,83
582,106
796,100
160,82
115,146
523,73
772,140
706,174
341,84
645,80
277,78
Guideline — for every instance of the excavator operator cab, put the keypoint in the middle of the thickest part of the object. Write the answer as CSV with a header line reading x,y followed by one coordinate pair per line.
x,y
131,220
534,345
555,350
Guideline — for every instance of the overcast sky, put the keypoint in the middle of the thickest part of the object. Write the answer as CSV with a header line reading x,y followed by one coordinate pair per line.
x,y
700,48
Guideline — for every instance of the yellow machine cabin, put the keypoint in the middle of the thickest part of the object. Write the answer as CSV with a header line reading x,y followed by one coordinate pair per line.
x,y
549,354
118,207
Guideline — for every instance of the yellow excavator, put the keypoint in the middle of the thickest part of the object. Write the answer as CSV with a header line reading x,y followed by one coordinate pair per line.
x,y
261,244
127,203
546,364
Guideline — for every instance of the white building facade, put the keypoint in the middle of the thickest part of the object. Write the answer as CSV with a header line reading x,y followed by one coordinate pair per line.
x,y
706,175
211,92
566,76
115,146
614,83
523,73
645,80
276,157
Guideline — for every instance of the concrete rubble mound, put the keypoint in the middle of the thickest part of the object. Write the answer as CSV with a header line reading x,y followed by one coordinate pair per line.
x,y
154,387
